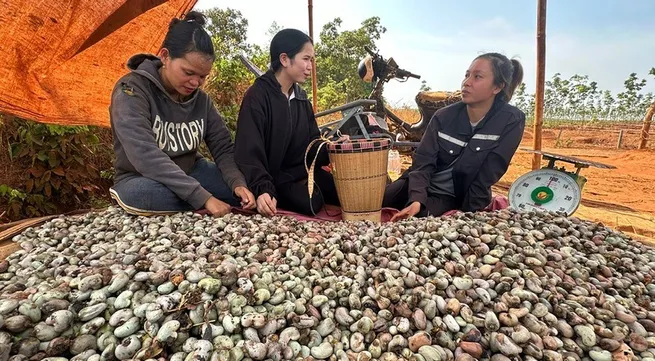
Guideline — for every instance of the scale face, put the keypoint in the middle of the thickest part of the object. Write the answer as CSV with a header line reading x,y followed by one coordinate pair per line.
x,y
545,189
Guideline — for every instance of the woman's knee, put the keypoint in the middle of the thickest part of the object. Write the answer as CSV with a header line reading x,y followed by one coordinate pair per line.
x,y
307,206
438,205
148,195
396,194
211,178
295,197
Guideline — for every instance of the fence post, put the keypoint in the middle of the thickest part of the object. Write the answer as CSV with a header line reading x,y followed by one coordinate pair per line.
x,y
646,127
618,144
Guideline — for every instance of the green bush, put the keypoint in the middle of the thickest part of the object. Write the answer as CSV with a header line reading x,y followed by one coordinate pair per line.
x,y
59,173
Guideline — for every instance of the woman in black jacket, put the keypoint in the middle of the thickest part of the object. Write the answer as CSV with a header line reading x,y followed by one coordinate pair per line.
x,y
276,124
467,147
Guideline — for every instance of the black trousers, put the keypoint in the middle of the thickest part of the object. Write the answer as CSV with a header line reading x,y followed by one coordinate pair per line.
x,y
396,195
294,196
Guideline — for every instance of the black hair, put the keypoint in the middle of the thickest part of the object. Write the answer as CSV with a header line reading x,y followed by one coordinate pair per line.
x,y
187,35
508,74
288,41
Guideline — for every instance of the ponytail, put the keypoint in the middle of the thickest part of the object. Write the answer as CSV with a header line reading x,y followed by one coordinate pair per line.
x,y
517,79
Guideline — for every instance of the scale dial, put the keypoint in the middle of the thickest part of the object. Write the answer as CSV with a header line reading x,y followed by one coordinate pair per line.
x,y
545,189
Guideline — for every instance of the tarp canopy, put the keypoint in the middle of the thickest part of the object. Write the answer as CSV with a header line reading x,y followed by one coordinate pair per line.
x,y
60,59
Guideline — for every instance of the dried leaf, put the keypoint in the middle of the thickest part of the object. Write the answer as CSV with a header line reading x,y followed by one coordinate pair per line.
x,y
29,185
36,171
15,208
53,160
56,183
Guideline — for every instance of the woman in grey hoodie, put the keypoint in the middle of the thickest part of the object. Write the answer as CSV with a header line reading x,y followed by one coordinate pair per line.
x,y
159,117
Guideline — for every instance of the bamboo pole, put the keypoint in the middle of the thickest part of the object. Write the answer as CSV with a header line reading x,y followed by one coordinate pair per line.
x,y
310,9
645,129
541,78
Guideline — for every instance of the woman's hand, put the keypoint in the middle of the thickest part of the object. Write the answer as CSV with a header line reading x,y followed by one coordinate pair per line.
x,y
409,211
246,196
266,205
217,207
343,138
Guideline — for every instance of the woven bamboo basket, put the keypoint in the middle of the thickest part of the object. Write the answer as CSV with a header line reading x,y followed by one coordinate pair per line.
x,y
359,168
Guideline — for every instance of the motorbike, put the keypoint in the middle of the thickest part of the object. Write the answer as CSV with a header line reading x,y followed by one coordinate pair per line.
x,y
371,116
375,69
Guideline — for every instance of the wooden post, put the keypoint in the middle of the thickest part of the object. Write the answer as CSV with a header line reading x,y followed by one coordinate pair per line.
x,y
311,35
618,144
644,130
541,78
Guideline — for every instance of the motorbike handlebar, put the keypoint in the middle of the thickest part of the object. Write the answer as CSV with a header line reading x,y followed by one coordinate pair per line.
x,y
400,73
406,74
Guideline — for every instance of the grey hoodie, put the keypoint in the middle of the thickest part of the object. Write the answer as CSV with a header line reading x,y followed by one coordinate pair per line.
x,y
158,137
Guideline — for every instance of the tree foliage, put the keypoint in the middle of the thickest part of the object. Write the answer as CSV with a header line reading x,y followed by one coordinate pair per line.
x,y
229,78
579,99
338,53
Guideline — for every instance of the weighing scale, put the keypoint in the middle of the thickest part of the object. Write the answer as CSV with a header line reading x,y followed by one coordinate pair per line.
x,y
551,188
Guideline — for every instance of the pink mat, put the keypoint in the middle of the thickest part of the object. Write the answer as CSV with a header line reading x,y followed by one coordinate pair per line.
x,y
328,213
333,213
497,203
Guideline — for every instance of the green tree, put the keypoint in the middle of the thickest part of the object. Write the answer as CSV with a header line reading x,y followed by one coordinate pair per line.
x,y
606,105
272,30
630,98
523,100
579,99
337,55
229,78
228,29
424,86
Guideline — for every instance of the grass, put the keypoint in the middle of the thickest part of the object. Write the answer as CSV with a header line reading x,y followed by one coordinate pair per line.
x,y
588,123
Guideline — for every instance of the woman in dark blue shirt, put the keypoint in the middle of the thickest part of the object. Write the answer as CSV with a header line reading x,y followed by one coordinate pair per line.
x,y
467,147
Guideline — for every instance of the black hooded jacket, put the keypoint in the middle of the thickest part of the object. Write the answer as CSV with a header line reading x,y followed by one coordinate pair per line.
x,y
273,133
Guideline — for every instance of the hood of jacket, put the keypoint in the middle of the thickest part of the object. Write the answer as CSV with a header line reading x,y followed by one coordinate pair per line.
x,y
147,65
268,79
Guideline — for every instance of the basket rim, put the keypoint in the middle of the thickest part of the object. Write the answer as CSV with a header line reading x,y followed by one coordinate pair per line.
x,y
360,145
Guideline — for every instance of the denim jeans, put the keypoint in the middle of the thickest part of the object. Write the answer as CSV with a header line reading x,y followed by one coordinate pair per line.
x,y
148,195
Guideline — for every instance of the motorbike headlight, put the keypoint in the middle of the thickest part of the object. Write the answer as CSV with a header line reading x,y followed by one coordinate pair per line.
x,y
365,69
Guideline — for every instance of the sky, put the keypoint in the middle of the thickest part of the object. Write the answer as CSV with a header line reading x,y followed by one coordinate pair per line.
x,y
604,39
